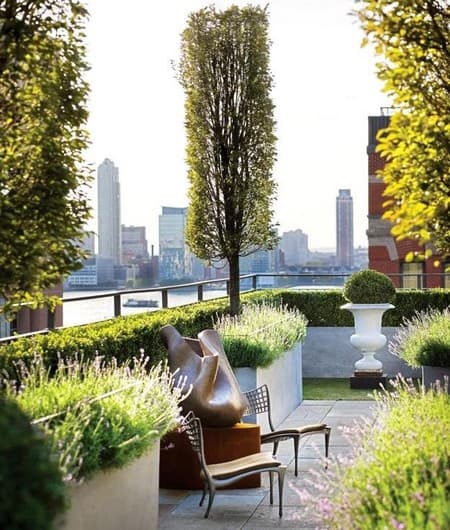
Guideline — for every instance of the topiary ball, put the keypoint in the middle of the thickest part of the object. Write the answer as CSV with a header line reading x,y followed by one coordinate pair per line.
x,y
369,287
32,492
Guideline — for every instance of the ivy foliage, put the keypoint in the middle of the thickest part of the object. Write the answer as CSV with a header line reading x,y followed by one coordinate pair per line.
x,y
413,39
43,205
224,71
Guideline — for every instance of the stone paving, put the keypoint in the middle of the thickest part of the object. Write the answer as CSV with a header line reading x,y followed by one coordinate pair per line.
x,y
249,509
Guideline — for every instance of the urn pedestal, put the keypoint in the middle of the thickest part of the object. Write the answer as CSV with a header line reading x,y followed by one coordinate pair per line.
x,y
368,371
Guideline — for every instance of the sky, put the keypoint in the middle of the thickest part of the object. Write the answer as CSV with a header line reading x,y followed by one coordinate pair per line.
x,y
325,87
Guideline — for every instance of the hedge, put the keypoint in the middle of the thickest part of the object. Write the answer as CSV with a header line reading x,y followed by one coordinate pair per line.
x,y
127,337
322,308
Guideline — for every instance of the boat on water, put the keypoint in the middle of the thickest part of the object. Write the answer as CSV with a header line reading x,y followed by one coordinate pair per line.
x,y
135,302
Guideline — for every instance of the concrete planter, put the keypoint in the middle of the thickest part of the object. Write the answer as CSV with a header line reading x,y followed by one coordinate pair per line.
x,y
284,380
118,499
431,374
327,353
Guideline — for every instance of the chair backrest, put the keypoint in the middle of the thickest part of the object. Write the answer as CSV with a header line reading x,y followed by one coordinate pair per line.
x,y
192,426
258,403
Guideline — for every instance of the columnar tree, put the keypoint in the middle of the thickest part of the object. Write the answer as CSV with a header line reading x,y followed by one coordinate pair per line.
x,y
42,138
413,39
224,70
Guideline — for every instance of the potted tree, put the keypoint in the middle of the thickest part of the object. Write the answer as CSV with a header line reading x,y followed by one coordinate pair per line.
x,y
424,341
369,294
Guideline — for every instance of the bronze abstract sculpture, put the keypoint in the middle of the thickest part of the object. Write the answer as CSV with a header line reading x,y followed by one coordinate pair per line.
x,y
215,397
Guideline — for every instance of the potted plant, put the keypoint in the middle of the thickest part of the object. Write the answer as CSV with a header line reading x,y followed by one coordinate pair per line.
x,y
369,294
103,423
263,345
424,341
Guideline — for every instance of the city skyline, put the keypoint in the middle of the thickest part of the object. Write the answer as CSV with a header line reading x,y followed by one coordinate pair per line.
x,y
325,89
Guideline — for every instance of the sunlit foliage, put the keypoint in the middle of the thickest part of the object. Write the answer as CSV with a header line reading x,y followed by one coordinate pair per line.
x,y
224,70
412,37
42,138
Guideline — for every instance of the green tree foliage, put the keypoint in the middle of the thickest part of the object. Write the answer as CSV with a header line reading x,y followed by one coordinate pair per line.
x,y
42,137
224,70
413,37
32,489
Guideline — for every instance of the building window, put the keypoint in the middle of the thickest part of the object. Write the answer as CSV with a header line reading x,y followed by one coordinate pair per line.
x,y
412,275
446,282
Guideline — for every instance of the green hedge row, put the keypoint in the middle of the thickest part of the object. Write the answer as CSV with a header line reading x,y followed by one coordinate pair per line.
x,y
322,308
121,337
126,337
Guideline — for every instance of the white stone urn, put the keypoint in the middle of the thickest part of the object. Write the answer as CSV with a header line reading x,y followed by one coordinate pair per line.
x,y
368,337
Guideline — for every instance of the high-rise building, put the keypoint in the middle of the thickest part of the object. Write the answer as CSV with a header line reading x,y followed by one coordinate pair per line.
x,y
385,253
294,245
109,236
344,229
173,255
134,244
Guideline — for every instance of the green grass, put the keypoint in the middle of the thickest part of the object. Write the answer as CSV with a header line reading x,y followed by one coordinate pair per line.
x,y
317,388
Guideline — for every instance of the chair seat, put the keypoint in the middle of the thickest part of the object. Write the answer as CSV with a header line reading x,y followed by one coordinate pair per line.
x,y
294,431
255,462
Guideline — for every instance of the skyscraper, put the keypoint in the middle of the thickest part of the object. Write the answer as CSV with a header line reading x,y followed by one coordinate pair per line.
x,y
294,245
109,238
172,248
344,229
134,244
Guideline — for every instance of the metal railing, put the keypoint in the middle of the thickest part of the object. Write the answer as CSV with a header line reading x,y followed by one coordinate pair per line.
x,y
248,282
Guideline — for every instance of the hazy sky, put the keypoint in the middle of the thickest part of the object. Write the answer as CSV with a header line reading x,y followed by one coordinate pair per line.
x,y
325,88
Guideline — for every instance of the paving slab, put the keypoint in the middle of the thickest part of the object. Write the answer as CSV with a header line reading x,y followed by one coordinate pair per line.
x,y
250,509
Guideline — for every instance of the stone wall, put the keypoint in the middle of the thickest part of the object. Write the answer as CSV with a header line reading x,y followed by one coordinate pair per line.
x,y
327,352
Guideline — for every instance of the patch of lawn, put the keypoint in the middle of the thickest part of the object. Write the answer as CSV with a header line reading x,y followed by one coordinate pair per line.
x,y
328,388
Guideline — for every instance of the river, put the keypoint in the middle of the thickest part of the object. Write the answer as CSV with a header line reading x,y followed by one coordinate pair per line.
x,y
87,311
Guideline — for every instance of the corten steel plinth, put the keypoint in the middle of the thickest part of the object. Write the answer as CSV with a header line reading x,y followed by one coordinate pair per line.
x,y
179,466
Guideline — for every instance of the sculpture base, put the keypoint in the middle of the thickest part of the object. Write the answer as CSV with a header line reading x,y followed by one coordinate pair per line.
x,y
179,466
367,379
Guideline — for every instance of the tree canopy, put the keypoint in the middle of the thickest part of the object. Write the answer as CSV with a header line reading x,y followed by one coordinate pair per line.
x,y
224,70
413,38
43,206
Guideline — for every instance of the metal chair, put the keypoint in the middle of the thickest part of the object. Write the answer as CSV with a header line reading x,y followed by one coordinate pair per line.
x,y
259,402
225,473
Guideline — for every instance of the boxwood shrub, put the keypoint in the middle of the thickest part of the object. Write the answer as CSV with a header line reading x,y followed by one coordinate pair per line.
x,y
33,492
125,337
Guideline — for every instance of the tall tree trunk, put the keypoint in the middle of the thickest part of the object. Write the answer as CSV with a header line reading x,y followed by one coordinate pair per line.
x,y
233,262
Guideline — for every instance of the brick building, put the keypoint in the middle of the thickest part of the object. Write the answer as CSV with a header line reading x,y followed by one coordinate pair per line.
x,y
385,253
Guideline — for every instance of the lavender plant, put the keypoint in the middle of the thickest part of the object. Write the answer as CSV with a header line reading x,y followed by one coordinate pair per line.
x,y
260,334
424,339
95,414
398,477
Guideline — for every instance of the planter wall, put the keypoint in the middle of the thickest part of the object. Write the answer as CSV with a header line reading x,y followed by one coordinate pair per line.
x,y
327,352
119,499
284,380
431,374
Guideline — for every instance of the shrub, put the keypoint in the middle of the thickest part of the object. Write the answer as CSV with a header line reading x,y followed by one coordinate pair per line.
x,y
260,334
399,477
424,339
369,287
97,415
124,337
32,489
